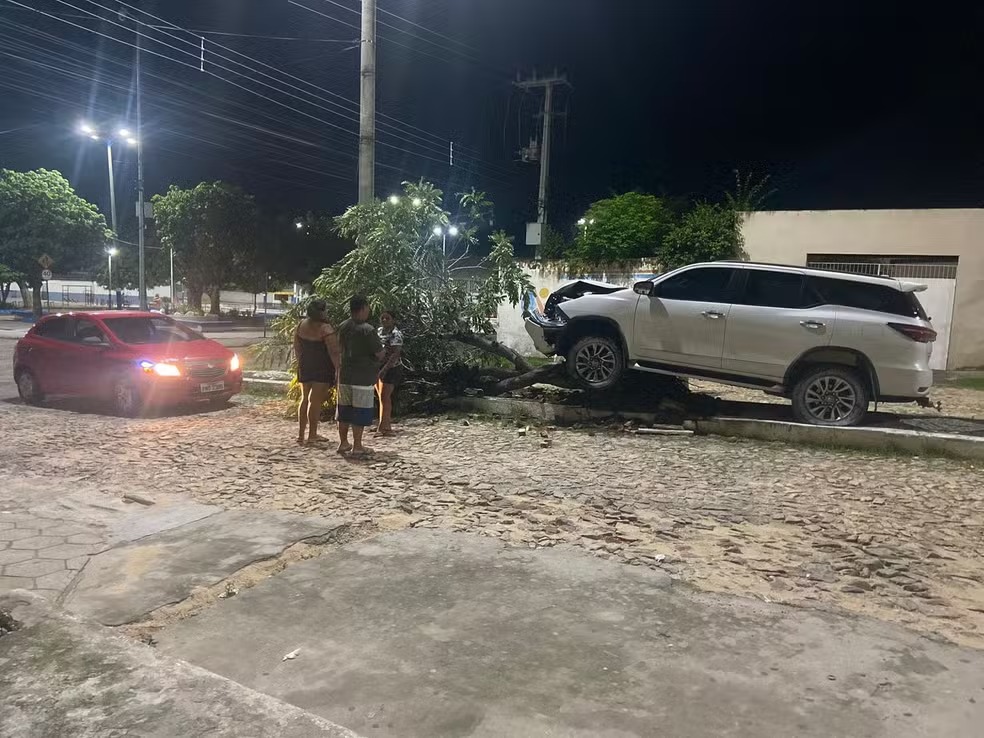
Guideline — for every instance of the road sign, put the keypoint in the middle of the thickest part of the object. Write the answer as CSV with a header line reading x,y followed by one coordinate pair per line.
x,y
46,274
46,261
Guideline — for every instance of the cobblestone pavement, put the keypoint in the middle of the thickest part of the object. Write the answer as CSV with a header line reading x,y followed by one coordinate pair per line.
x,y
956,402
896,538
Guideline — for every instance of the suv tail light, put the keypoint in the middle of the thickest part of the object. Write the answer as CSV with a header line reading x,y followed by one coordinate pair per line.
x,y
916,332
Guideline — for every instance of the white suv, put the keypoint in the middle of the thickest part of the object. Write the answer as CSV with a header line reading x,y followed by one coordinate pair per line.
x,y
831,342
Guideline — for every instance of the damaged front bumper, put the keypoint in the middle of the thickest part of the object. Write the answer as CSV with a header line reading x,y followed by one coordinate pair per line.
x,y
543,331
546,327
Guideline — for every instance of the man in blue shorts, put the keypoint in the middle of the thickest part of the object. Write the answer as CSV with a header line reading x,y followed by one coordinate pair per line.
x,y
361,351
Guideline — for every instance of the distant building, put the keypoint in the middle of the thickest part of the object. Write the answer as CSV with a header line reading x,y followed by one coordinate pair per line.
x,y
942,248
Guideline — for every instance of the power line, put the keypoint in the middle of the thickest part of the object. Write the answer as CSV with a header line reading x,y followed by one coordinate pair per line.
x,y
354,103
469,57
202,32
427,146
396,122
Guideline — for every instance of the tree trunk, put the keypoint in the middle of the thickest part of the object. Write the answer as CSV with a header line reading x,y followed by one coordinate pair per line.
x,y
213,296
36,299
550,374
25,295
493,347
194,296
4,291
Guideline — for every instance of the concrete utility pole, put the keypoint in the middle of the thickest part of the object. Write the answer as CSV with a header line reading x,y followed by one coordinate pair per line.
x,y
367,104
141,225
547,84
112,192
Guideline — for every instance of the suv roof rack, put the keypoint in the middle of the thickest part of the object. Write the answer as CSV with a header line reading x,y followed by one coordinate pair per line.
x,y
796,266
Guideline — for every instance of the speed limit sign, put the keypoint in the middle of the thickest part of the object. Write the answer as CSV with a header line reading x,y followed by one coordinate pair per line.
x,y
46,274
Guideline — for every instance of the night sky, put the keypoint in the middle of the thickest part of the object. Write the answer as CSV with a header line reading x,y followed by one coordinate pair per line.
x,y
844,104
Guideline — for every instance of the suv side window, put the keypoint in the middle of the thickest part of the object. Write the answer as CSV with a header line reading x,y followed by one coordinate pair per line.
x,y
88,332
865,296
707,284
767,288
56,329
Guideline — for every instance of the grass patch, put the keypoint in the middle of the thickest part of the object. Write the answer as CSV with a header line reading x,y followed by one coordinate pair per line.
x,y
971,383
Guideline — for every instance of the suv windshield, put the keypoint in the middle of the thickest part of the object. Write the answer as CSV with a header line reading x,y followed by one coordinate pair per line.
x,y
142,330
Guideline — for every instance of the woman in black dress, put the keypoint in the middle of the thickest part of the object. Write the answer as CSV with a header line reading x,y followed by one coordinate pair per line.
x,y
316,350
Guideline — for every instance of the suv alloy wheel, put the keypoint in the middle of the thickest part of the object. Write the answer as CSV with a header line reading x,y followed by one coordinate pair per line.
x,y
831,395
596,362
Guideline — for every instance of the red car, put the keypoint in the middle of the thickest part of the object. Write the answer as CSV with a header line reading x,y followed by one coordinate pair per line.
x,y
131,359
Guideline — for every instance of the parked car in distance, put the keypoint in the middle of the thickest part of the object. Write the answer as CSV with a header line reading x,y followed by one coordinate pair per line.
x,y
129,359
831,342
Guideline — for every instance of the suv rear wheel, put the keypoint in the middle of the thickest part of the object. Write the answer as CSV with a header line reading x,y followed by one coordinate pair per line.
x,y
596,362
831,395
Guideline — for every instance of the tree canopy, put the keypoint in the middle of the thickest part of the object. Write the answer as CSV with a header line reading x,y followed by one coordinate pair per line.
x,y
213,229
706,233
409,259
40,214
629,226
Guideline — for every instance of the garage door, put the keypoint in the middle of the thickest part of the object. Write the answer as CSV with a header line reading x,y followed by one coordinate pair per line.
x,y
939,276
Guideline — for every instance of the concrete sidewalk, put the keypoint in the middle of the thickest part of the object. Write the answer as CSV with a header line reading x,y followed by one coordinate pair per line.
x,y
439,634
115,560
62,677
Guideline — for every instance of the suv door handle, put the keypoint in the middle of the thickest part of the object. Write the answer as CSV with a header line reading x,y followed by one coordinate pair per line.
x,y
812,325
712,314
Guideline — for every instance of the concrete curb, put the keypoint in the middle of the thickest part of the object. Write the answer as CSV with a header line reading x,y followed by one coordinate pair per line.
x,y
543,411
266,384
916,443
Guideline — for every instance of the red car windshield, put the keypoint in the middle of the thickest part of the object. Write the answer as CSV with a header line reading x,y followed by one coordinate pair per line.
x,y
144,330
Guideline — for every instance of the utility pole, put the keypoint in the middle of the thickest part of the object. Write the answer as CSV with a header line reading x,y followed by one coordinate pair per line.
x,y
547,84
140,187
112,192
367,104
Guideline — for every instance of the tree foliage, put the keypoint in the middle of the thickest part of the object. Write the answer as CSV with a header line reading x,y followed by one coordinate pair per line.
x,y
401,265
7,277
706,233
553,244
41,214
629,226
749,194
212,228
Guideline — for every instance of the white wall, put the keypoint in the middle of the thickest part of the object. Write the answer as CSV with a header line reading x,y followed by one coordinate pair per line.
x,y
547,276
787,237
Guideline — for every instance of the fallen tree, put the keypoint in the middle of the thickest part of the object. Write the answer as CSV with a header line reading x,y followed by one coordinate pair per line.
x,y
411,258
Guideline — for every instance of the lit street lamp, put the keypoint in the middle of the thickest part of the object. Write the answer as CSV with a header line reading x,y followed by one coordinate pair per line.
x,y
584,224
444,233
110,253
121,134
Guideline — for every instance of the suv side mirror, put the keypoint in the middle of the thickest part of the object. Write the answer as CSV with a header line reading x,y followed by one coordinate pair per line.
x,y
646,288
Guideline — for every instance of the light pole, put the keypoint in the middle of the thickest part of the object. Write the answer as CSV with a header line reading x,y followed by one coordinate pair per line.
x,y
121,134
110,253
444,233
584,223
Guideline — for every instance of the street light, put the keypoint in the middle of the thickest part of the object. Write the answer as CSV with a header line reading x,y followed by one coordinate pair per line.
x,y
87,129
394,200
584,223
444,233
416,202
110,253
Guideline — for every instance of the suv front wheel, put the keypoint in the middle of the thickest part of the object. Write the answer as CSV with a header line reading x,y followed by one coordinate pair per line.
x,y
831,395
596,362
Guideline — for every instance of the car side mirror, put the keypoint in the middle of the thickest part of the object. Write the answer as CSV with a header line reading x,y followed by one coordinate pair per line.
x,y
646,288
